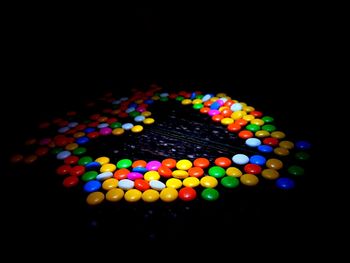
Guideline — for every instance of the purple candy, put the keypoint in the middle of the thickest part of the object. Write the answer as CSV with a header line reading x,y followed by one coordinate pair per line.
x,y
135,175
153,165
213,112
105,131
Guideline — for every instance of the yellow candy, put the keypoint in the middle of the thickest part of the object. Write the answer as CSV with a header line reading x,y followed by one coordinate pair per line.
x,y
137,128
180,174
287,145
138,101
248,117
227,121
281,151
243,104
233,171
213,99
115,194
238,114
191,182
110,184
278,134
151,175
133,195
95,198
262,134
71,146
108,167
146,113
174,183
221,94
183,164
148,121
274,164
150,196
197,101
102,160
258,122
223,108
270,174
79,134
155,98
209,181
168,194
118,131
248,108
186,102
249,179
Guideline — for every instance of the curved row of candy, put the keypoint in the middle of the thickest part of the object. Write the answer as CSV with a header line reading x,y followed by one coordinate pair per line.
x,y
167,179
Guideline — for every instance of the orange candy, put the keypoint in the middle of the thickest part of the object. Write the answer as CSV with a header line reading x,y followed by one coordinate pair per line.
x,y
196,172
170,163
245,134
201,162
121,174
223,162
139,163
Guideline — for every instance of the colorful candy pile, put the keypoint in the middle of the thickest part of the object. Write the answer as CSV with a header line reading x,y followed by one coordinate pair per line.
x,y
168,179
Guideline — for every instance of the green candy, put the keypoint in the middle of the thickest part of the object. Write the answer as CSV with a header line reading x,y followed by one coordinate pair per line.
x,y
134,114
296,170
199,96
124,163
88,176
198,106
79,151
253,127
268,119
230,182
210,194
269,127
164,99
85,160
179,98
115,125
217,171
56,150
302,156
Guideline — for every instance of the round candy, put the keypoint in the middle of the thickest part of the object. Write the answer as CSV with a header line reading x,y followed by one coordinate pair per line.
x,y
252,168
285,183
103,176
268,119
132,195
257,159
126,184
240,159
139,163
141,185
249,179
153,165
165,171
102,160
108,167
210,194
151,175
233,171
270,174
170,163
262,134
265,148
150,196
115,194
137,128
85,160
70,181
95,198
148,121
88,176
118,131
223,162
92,186
274,164
201,162
196,172
174,183
92,166
278,134
295,170
253,142
217,171
110,183
187,194
281,151
63,155
168,194
303,145
229,182
124,163
208,181
71,146
183,165
121,174
79,151
157,185
180,174
302,156
127,126
134,175
191,182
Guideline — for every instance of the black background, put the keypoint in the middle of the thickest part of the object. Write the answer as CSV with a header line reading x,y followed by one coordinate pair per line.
x,y
266,56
